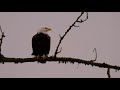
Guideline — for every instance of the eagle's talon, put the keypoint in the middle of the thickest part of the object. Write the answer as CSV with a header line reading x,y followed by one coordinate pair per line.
x,y
44,56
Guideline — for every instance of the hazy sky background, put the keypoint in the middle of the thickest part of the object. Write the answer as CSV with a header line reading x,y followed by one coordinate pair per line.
x,y
100,31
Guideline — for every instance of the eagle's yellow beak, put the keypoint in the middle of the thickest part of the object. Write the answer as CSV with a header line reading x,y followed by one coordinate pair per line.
x,y
49,29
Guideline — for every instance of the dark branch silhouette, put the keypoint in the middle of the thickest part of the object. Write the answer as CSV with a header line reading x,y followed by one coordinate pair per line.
x,y
60,50
73,25
60,60
108,72
1,39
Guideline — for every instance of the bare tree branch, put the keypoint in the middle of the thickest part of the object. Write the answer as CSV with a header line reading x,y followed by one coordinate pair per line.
x,y
73,25
60,60
108,72
1,39
85,19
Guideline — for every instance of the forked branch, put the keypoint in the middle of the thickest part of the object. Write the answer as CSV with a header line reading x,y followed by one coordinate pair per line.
x,y
73,25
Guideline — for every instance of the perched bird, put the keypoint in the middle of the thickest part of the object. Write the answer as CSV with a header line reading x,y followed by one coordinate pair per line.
x,y
41,43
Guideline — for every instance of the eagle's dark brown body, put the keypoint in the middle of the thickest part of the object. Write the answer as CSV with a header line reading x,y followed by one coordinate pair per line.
x,y
41,44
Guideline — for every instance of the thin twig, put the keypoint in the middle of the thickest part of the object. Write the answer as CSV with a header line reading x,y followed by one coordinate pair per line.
x,y
73,25
108,72
95,55
1,29
1,39
60,50
76,26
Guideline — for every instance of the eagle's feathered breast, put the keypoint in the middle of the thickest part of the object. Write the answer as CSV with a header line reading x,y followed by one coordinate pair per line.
x,y
41,44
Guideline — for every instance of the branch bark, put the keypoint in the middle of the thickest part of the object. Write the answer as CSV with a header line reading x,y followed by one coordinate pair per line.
x,y
73,25
60,60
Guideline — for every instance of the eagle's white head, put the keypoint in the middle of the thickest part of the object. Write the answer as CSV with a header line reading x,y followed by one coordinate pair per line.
x,y
44,30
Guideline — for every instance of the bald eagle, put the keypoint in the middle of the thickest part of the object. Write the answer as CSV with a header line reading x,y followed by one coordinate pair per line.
x,y
41,43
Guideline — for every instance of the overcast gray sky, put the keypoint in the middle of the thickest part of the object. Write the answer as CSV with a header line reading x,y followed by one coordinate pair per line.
x,y
100,31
